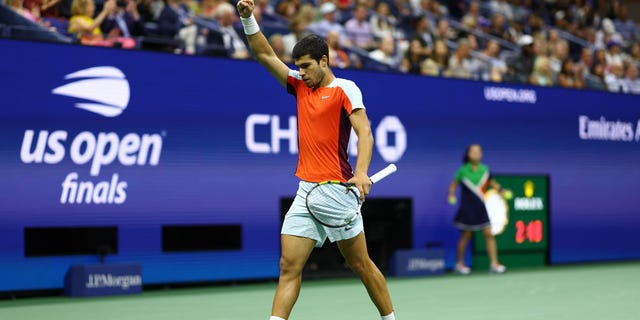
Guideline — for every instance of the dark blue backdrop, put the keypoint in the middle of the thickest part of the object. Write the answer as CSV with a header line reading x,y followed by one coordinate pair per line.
x,y
199,109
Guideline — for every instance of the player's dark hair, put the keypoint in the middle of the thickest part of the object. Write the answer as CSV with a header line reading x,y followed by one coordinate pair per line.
x,y
311,45
465,157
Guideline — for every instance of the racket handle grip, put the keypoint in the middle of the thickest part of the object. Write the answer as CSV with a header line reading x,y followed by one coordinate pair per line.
x,y
383,173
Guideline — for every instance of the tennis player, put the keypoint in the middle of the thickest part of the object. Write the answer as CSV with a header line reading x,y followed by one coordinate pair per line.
x,y
472,215
328,107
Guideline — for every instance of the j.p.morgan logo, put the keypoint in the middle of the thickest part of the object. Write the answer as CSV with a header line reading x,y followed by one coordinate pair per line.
x,y
124,282
104,89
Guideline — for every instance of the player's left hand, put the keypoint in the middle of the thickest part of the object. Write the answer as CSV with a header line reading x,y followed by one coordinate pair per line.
x,y
245,8
362,182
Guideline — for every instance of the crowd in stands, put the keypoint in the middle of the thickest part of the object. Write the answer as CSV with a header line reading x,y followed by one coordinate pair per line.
x,y
569,43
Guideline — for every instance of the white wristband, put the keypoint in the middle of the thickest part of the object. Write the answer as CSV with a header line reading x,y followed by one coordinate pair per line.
x,y
250,25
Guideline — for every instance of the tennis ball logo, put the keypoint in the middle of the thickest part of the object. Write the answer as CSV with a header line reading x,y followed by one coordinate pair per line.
x,y
529,189
105,89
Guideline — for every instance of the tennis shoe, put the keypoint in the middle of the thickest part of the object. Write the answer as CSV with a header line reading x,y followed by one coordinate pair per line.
x,y
497,269
462,269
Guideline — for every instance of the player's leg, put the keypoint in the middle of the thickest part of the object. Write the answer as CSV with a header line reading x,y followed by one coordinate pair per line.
x,y
295,252
465,236
354,251
461,267
492,251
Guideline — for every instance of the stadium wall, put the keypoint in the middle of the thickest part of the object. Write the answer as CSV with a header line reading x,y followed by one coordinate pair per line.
x,y
164,140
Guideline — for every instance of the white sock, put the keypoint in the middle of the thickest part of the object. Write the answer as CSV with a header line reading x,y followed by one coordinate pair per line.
x,y
276,318
390,316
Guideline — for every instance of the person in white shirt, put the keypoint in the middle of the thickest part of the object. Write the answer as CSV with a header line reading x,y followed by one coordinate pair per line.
x,y
386,52
358,29
632,81
615,78
329,23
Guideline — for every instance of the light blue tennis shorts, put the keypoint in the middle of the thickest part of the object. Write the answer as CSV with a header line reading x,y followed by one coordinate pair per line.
x,y
299,222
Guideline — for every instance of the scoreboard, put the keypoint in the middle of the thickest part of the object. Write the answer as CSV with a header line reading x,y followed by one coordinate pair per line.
x,y
520,224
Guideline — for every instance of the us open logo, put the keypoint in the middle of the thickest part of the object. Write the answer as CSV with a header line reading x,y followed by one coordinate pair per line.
x,y
105,87
103,90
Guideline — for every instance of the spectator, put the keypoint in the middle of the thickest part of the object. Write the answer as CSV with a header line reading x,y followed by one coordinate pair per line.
x,y
422,8
174,17
586,62
502,7
435,64
535,24
338,58
150,9
497,28
358,29
559,54
496,68
288,8
600,56
521,66
423,35
18,7
430,68
124,20
266,8
460,62
40,8
553,38
401,9
568,77
632,82
207,9
226,16
275,40
473,18
614,79
437,10
542,74
595,80
382,22
443,31
297,26
613,54
84,26
634,54
413,58
329,23
307,13
625,26
385,53
606,33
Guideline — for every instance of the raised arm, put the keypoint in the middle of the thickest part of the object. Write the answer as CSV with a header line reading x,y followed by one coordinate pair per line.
x,y
259,44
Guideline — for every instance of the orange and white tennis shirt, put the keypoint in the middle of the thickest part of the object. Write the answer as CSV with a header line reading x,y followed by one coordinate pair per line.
x,y
324,127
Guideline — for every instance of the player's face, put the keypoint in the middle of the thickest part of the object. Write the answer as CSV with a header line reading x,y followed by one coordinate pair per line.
x,y
311,71
475,153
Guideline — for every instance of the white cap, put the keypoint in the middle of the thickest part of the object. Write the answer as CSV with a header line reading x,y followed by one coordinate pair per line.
x,y
327,7
525,40
608,26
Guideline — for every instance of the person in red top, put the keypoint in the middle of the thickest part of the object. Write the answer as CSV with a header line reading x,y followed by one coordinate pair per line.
x,y
328,107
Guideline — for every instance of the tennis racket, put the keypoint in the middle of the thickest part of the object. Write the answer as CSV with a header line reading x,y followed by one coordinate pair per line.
x,y
336,204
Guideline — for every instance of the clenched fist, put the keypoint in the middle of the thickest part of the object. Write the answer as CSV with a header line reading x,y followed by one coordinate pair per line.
x,y
245,8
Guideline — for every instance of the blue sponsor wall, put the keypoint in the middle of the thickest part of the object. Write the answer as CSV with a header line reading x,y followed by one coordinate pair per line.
x,y
166,139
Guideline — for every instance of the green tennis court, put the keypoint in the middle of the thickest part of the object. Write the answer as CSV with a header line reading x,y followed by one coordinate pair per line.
x,y
585,292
